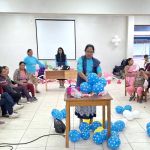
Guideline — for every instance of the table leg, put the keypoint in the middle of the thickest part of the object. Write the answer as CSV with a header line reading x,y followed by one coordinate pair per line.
x,y
67,123
46,84
103,111
109,119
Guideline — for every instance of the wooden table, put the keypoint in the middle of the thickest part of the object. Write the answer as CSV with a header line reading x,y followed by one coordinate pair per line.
x,y
88,101
60,74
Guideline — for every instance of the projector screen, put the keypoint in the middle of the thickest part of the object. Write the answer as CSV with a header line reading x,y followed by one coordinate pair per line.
x,y
52,34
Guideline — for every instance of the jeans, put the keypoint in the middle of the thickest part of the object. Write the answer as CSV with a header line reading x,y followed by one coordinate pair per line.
x,y
6,103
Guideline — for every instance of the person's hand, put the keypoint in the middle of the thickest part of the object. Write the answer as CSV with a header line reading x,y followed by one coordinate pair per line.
x,y
15,85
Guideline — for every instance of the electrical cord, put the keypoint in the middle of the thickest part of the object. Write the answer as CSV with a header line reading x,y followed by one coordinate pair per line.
x,y
10,144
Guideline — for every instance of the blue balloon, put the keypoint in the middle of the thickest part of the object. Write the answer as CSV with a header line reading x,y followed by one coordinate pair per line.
x,y
98,138
128,107
85,135
74,135
97,88
95,125
63,112
148,125
104,134
103,81
84,126
119,109
113,127
148,131
85,87
57,114
92,78
114,133
119,126
114,142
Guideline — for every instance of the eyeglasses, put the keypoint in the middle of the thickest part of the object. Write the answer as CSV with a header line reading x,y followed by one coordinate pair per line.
x,y
90,52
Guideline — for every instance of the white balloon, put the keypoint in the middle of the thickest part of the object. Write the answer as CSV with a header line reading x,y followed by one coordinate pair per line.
x,y
128,115
136,114
126,112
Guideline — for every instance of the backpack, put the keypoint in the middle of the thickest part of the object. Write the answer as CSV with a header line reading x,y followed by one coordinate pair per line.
x,y
59,126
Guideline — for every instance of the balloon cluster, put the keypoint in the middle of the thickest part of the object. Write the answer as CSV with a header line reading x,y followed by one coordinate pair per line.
x,y
95,84
116,127
120,109
127,112
148,129
100,134
58,114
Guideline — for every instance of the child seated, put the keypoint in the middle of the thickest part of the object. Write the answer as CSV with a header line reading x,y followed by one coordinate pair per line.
x,y
138,85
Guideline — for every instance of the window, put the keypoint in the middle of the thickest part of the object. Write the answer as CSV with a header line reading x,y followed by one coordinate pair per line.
x,y
141,40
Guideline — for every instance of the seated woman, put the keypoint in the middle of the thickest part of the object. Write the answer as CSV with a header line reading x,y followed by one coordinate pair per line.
x,y
7,103
21,77
11,88
138,85
7,88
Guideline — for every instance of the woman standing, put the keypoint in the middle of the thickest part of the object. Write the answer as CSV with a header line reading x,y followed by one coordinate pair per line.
x,y
61,61
87,64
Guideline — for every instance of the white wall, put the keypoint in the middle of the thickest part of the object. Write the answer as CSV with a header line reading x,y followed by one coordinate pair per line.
x,y
76,6
17,34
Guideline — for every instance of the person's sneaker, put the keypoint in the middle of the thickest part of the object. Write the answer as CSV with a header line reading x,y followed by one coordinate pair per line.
x,y
14,115
132,97
61,86
2,122
6,115
37,91
17,107
34,98
23,100
30,100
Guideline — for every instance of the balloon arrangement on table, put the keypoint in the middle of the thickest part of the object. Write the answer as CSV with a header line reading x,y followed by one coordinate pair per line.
x,y
58,114
94,84
100,134
148,129
127,112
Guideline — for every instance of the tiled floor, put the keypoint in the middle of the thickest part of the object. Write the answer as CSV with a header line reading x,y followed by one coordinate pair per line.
x,y
35,120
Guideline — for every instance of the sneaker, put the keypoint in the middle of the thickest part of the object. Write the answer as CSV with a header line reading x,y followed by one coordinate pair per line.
x,y
6,115
61,86
37,91
14,115
29,100
17,107
23,100
132,97
34,98
2,122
